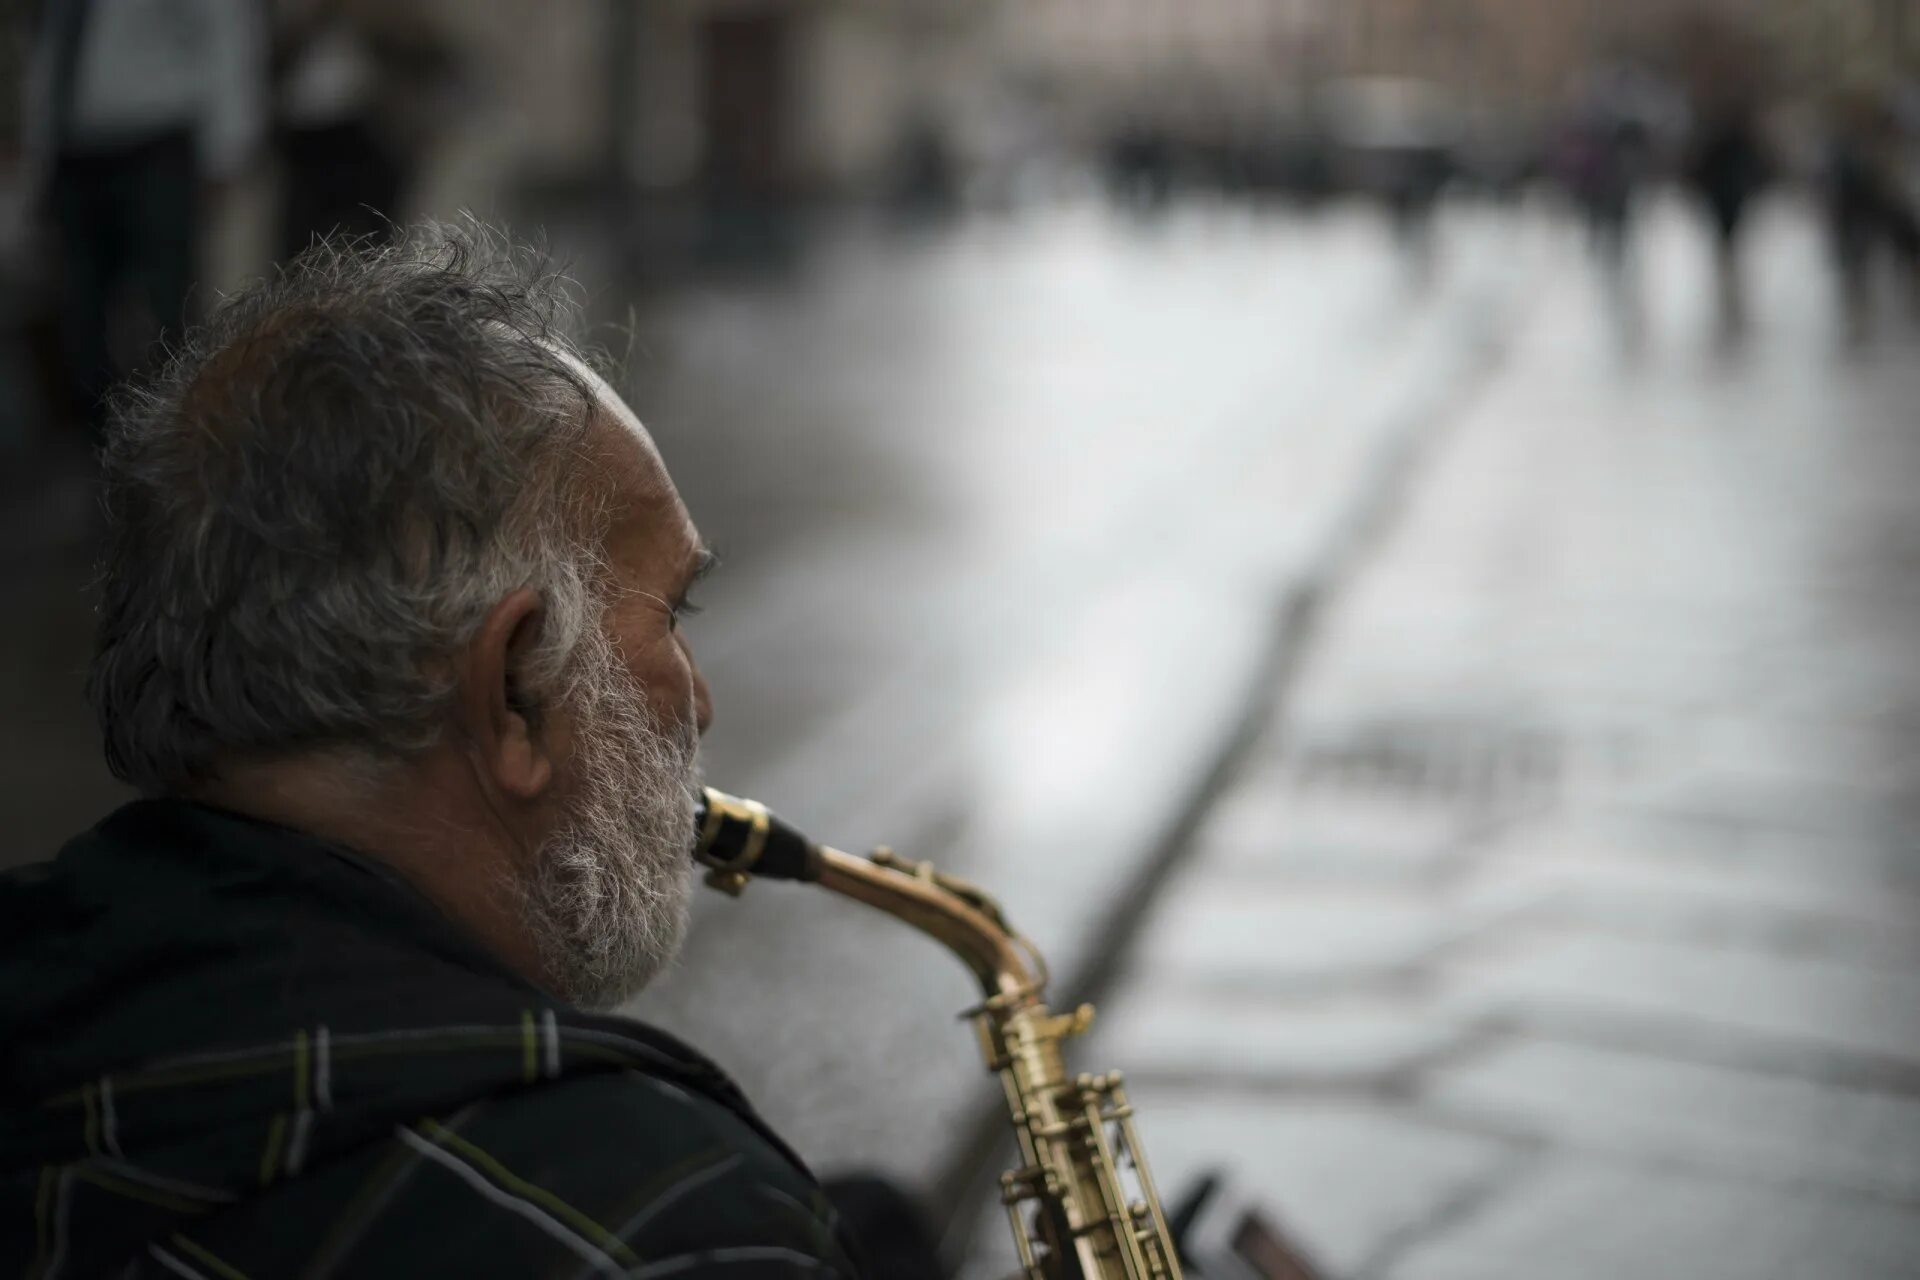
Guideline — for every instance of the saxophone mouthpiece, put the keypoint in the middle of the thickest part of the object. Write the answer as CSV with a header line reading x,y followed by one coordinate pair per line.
x,y
738,840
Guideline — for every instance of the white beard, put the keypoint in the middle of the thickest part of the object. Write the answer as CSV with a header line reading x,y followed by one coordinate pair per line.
x,y
606,899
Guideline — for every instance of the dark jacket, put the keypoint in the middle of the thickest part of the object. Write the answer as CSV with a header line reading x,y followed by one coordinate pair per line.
x,y
230,1050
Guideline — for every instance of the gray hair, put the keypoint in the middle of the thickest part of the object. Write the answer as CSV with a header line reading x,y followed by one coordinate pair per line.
x,y
322,495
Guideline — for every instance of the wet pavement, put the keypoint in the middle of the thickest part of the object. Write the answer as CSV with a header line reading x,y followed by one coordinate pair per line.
x,y
1012,639
1564,922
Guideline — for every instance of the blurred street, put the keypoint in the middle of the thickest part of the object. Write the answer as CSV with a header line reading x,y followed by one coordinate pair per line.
x,y
1564,923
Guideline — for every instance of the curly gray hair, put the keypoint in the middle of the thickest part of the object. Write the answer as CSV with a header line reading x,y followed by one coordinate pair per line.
x,y
322,495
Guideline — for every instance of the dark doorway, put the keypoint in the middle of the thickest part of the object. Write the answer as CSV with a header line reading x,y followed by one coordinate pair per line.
x,y
747,59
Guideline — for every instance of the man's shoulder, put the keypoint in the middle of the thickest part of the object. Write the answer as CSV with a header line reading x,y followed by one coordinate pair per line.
x,y
615,1172
662,1170
628,1117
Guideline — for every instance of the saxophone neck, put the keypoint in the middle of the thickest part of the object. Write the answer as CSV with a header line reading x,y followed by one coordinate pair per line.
x,y
959,916
739,841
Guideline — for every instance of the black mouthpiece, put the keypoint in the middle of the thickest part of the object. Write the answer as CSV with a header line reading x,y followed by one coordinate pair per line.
x,y
740,836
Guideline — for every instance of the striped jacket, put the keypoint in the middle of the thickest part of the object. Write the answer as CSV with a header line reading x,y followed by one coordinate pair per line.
x,y
230,1051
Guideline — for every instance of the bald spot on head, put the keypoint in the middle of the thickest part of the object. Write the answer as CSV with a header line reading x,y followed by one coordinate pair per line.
x,y
637,484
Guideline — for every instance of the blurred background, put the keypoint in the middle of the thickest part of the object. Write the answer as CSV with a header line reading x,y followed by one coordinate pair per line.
x,y
1384,529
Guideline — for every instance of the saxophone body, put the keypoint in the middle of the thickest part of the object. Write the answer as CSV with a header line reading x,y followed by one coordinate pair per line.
x,y
1081,1202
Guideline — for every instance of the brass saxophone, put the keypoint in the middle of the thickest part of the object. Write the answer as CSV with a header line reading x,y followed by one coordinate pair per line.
x,y
1081,1203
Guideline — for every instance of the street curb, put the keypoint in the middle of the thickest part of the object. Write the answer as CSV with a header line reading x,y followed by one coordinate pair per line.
x,y
968,1182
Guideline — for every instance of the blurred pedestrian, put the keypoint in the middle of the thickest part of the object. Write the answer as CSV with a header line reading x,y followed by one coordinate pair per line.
x,y
360,88
923,182
1139,164
1598,162
1415,178
1727,169
1870,209
138,111
1602,156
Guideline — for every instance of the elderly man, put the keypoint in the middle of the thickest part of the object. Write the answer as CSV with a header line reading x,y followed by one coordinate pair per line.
x,y
391,642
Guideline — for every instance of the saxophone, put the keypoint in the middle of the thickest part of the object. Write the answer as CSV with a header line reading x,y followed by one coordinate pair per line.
x,y
1081,1202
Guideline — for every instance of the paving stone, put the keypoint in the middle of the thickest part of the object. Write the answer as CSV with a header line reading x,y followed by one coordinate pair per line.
x,y
1816,868
1584,1220
1339,1177
1270,825
1764,1126
1821,808
1708,574
1164,1028
1813,1002
1794,754
1257,936
1646,894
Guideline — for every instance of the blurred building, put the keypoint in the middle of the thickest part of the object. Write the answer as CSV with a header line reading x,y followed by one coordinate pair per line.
x,y
768,102
1822,43
1504,52
1527,49
1123,54
758,100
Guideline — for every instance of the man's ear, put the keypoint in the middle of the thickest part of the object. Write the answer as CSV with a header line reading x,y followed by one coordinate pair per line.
x,y
497,712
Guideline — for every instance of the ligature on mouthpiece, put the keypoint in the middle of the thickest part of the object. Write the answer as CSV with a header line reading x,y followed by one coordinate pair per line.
x,y
737,839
